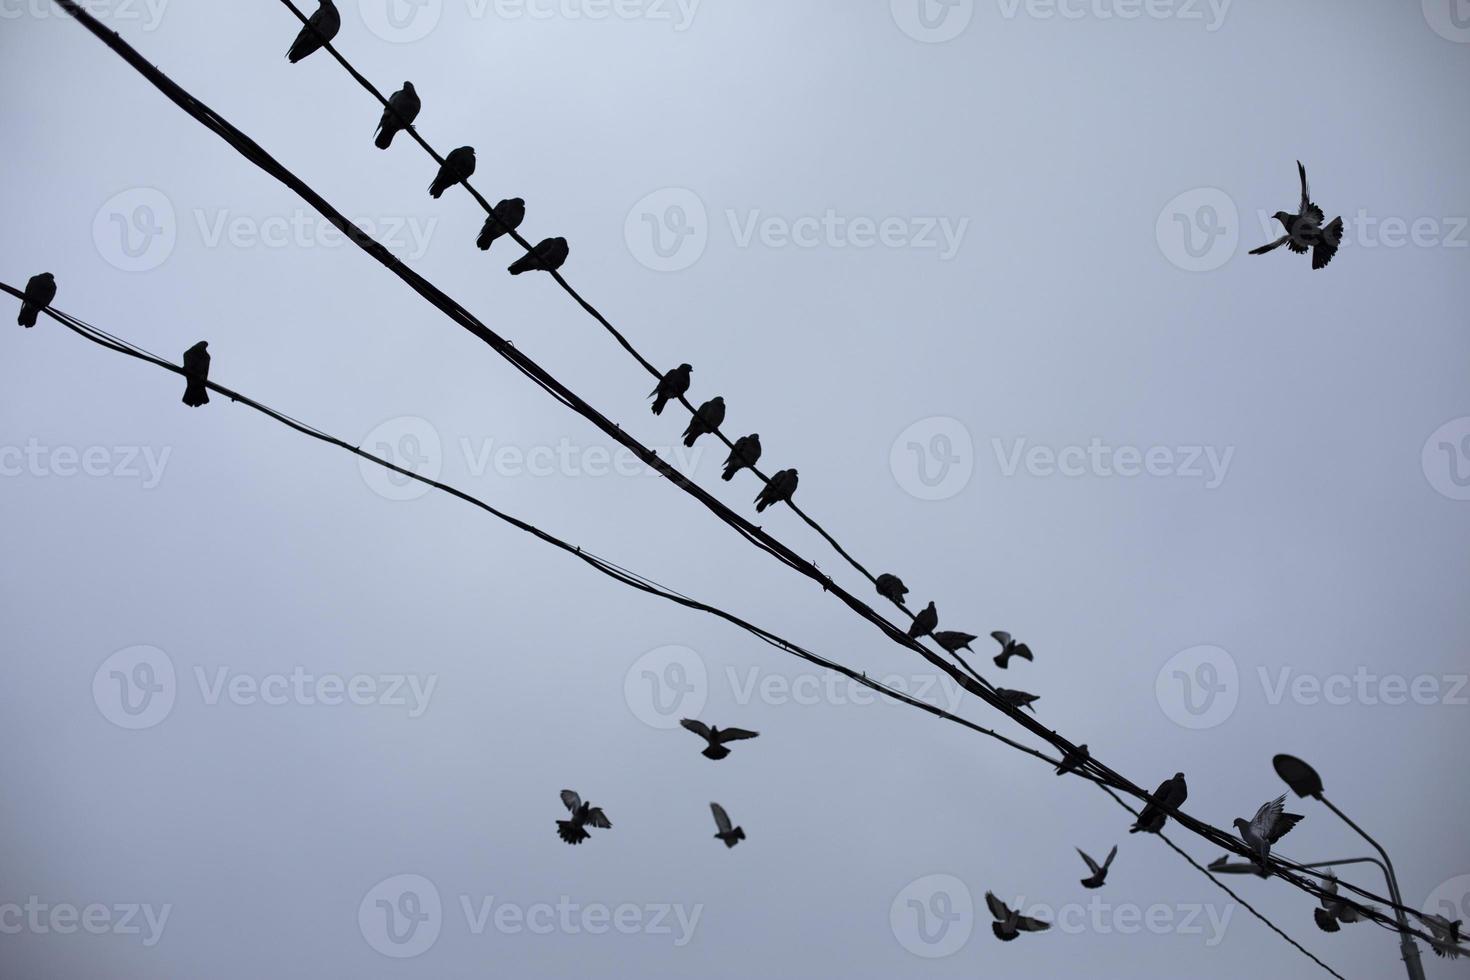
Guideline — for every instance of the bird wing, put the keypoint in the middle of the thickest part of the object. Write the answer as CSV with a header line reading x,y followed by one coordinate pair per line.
x,y
1111,854
997,907
1091,864
1027,924
1283,826
596,818
697,727
1272,246
571,799
1001,637
1024,652
1265,819
1308,209
722,819
1296,246
735,734
1178,792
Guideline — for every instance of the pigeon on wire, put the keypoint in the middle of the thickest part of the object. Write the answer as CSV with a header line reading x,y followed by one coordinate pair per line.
x,y
715,737
1009,648
1269,825
1170,795
503,219
670,387
402,109
40,291
1446,935
730,835
925,622
1073,760
953,640
317,33
707,419
892,587
1017,699
781,487
584,815
1304,231
1334,910
548,256
458,166
1099,871
196,369
747,452
1008,923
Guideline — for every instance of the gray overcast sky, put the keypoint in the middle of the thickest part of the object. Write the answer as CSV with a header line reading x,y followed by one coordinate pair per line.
x,y
960,265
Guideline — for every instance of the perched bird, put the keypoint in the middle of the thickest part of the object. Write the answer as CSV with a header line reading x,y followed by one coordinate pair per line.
x,y
925,622
1099,872
730,835
747,452
1008,923
402,109
318,31
196,369
953,640
40,291
584,815
1009,648
1269,825
707,419
549,255
781,487
1334,910
1072,760
503,219
1446,935
458,166
892,587
716,737
1304,231
1170,795
1017,699
670,387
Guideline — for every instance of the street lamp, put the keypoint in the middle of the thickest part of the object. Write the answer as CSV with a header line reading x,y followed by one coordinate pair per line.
x,y
1304,781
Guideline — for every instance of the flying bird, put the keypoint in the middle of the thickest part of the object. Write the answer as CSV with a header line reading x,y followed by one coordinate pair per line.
x,y
1170,795
1304,231
549,255
1334,910
892,587
1446,935
458,166
1017,699
670,387
318,31
1008,923
196,369
503,219
925,622
730,835
1072,760
1099,871
402,109
40,291
1269,825
1009,648
747,452
953,640
781,487
584,815
716,737
707,419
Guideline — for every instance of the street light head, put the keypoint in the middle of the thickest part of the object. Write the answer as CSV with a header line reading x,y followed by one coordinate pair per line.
x,y
1302,778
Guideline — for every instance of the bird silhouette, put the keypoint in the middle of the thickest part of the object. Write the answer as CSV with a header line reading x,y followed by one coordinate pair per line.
x,y
1269,825
953,640
1170,795
924,622
1099,871
781,487
747,453
1334,910
196,369
402,109
1304,231
40,291
1446,935
549,255
1009,923
716,737
670,387
458,166
503,219
730,835
1009,648
584,815
891,587
318,31
1073,760
1017,699
707,419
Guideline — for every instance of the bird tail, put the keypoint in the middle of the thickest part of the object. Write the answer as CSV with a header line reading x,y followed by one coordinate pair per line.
x,y
570,832
436,191
1000,661
1327,246
658,405
385,137
730,470
690,437
486,239
28,314
736,835
1002,933
196,395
